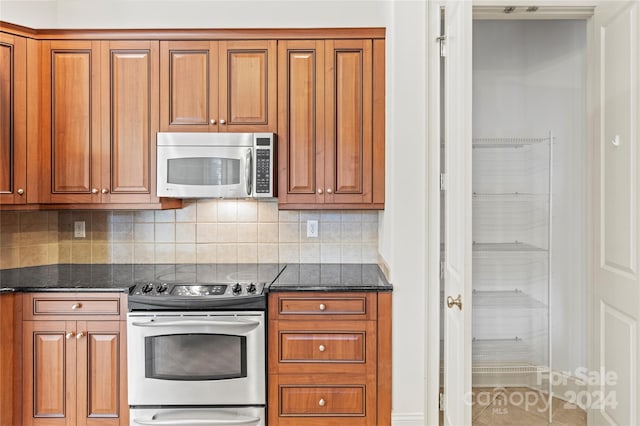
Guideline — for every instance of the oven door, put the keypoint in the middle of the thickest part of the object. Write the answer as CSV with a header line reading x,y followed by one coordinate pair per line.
x,y
204,171
236,416
187,358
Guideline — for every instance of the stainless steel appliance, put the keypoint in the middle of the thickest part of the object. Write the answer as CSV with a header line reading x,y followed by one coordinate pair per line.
x,y
211,165
196,350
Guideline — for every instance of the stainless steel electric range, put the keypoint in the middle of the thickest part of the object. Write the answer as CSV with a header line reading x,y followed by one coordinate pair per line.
x,y
196,348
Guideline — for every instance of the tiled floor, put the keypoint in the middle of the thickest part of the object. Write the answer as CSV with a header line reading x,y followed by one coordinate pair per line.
x,y
523,407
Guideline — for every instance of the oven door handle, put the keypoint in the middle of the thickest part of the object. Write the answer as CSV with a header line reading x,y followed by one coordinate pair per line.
x,y
213,323
178,422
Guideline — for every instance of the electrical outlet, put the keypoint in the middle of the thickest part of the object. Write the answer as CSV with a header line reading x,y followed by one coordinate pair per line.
x,y
312,229
78,229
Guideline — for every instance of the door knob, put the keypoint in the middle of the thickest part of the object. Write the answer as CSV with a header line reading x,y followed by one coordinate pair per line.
x,y
319,190
94,190
321,348
105,191
80,335
20,191
212,121
451,302
69,335
222,121
329,191
76,306
322,307
322,402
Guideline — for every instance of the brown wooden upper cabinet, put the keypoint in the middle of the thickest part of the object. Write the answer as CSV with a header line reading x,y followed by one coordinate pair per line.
x,y
13,116
99,119
218,86
331,124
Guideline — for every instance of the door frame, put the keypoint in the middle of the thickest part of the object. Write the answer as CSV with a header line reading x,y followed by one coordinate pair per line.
x,y
491,9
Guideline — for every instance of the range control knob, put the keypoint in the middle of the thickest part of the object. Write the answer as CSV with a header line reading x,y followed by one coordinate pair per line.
x,y
148,287
251,288
236,289
161,288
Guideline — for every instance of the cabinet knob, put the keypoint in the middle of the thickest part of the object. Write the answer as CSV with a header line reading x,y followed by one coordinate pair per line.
x,y
322,402
94,190
69,335
321,348
319,190
322,307
212,121
105,191
76,306
222,121
20,191
329,191
80,335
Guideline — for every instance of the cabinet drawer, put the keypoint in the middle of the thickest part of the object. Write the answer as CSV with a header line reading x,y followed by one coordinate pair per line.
x,y
74,305
343,306
322,347
345,400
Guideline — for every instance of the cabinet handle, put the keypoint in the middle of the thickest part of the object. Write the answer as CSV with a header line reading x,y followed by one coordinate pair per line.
x,y
80,335
322,307
322,402
329,191
222,121
212,121
321,348
319,190
69,335
20,191
76,306
94,190
105,191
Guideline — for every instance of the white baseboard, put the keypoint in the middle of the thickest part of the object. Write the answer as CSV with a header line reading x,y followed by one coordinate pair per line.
x,y
407,419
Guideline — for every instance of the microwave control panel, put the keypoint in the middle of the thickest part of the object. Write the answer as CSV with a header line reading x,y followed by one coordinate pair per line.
x,y
263,164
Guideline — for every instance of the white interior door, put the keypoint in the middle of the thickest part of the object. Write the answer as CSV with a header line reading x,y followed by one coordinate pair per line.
x,y
457,19
615,307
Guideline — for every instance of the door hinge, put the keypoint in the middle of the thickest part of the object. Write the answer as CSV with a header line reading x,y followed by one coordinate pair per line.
x,y
442,40
443,181
442,269
441,402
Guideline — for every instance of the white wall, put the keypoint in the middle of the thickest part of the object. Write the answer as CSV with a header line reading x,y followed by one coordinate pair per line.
x,y
402,230
529,78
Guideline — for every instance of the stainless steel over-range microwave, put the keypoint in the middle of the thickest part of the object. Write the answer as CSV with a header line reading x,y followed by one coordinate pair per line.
x,y
212,165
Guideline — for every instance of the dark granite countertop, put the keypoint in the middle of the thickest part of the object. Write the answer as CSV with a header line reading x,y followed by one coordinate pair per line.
x,y
121,277
331,277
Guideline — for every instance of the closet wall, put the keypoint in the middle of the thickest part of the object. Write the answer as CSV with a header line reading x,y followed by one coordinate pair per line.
x,y
529,77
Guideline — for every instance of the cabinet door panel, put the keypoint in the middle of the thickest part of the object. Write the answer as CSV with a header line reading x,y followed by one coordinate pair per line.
x,y
50,386
348,119
101,374
13,94
71,99
247,85
189,92
129,120
301,114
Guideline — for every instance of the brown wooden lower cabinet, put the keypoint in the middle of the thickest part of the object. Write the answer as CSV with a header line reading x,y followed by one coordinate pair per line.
x,y
329,359
74,372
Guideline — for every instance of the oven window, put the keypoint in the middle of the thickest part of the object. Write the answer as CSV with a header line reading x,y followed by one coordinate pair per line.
x,y
189,357
203,171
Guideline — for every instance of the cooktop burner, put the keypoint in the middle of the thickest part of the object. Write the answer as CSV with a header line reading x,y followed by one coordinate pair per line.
x,y
225,287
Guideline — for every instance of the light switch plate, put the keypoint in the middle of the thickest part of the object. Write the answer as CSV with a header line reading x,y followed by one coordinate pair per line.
x,y
78,229
312,229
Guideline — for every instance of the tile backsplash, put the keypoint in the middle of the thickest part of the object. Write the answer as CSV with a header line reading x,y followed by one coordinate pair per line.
x,y
204,231
28,239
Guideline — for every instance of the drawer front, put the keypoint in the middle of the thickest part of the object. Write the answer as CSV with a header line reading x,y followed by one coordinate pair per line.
x,y
322,347
88,306
322,400
350,306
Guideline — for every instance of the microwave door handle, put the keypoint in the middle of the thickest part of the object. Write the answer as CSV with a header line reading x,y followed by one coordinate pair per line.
x,y
177,422
196,323
248,171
